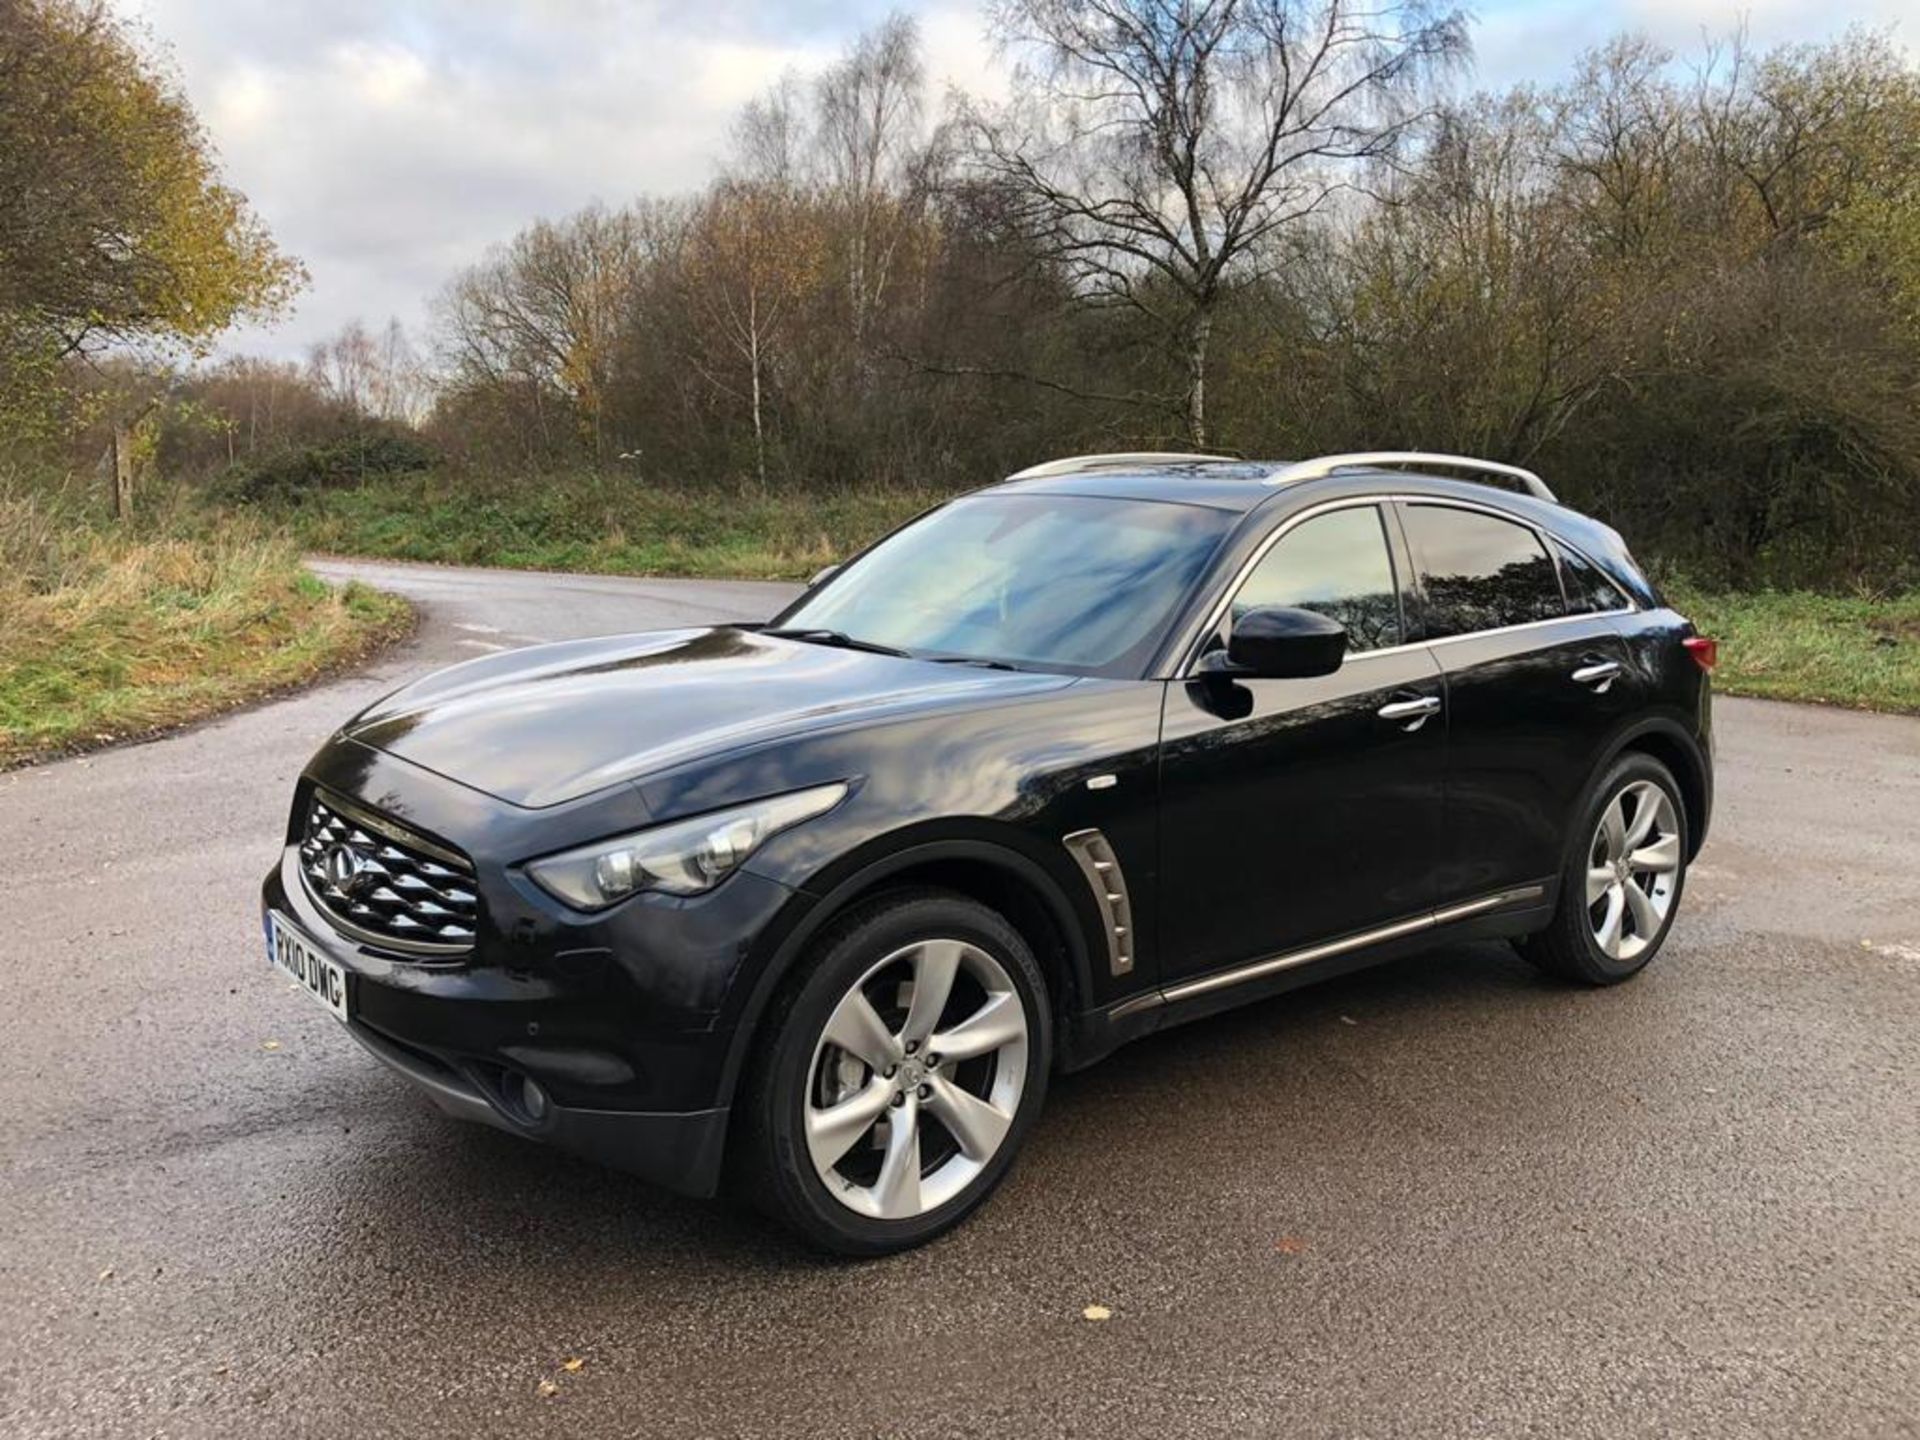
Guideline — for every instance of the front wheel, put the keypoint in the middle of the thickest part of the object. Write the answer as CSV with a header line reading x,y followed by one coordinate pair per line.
x,y
1620,887
910,1063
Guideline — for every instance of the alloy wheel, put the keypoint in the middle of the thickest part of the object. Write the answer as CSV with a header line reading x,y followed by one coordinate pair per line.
x,y
1633,869
916,1079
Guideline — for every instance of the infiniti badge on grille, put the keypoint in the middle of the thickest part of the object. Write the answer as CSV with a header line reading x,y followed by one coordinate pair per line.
x,y
385,885
348,872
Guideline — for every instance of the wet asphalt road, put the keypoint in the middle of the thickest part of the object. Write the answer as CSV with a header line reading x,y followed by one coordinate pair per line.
x,y
1441,1198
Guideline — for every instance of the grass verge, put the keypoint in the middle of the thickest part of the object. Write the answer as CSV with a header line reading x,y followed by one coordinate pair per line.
x,y
1828,649
604,523
107,637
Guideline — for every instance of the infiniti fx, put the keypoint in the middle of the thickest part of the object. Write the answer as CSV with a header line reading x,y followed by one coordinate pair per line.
x,y
818,905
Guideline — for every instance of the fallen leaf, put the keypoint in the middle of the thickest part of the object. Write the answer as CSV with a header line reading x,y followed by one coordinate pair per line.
x,y
1096,1312
107,1274
574,1366
269,1044
1290,1245
546,1388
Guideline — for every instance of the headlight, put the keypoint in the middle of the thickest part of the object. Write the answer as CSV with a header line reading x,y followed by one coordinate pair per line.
x,y
681,858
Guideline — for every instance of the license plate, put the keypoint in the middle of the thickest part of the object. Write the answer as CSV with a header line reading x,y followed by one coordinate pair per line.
x,y
290,951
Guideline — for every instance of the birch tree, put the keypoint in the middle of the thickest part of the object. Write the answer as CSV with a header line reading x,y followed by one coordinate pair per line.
x,y
754,262
1157,145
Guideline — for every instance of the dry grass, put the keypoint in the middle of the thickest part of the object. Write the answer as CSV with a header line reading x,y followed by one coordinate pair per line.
x,y
105,635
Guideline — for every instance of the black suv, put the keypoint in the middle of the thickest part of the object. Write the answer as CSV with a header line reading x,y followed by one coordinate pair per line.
x,y
1125,740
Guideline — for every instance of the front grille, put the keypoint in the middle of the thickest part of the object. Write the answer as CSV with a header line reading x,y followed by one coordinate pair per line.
x,y
384,884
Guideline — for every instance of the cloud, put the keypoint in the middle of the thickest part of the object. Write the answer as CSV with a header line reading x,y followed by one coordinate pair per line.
x,y
1537,40
388,143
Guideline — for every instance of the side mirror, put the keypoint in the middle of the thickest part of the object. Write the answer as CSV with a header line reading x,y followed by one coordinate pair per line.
x,y
822,575
1276,643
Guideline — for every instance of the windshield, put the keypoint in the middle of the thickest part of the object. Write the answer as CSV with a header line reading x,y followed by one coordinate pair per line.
x,y
1050,582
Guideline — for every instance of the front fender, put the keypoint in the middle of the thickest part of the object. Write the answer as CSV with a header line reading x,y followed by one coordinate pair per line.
x,y
836,889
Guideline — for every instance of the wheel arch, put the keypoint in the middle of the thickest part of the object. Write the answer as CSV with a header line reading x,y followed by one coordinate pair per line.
x,y
997,875
1667,741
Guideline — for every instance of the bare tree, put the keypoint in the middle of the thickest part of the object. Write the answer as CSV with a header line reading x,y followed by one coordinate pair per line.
x,y
876,163
755,259
545,313
1156,144
375,376
770,136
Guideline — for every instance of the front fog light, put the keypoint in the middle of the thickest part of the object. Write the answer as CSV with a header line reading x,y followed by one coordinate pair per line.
x,y
533,1099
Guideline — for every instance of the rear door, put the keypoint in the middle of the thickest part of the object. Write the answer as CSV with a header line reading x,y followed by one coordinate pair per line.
x,y
1294,811
1535,689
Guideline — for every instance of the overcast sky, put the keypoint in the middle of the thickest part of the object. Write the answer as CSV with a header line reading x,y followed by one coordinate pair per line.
x,y
388,143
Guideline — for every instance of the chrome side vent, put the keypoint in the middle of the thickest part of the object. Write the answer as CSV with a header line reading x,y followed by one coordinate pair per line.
x,y
1109,885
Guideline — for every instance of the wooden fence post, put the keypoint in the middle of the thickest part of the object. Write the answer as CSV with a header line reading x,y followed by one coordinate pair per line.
x,y
122,472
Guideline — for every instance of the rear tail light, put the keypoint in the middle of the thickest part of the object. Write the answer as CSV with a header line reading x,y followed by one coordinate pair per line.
x,y
1705,652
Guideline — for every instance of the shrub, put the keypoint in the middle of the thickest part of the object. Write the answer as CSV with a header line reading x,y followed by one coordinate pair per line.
x,y
289,476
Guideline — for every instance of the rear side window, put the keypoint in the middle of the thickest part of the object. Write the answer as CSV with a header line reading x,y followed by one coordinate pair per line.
x,y
1480,572
1588,591
1336,565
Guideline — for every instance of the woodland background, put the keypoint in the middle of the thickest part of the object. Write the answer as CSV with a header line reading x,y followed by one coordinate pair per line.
x,y
1686,288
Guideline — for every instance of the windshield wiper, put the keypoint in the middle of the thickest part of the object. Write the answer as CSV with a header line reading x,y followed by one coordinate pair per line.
x,y
980,660
838,638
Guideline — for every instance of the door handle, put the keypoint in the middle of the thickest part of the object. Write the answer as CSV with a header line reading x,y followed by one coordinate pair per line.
x,y
1600,675
1413,713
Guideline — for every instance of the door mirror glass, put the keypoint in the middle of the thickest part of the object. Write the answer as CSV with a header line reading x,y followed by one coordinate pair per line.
x,y
1277,642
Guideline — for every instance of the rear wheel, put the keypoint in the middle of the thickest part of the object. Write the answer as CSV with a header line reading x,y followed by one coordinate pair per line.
x,y
1621,884
912,1058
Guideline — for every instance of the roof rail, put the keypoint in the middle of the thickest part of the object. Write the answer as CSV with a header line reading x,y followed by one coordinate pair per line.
x,y
1412,459
1075,464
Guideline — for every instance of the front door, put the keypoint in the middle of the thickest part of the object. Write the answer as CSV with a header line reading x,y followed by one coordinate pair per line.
x,y
1296,811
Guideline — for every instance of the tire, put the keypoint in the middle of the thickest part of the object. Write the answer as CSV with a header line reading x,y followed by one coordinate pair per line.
x,y
891,1189
1636,908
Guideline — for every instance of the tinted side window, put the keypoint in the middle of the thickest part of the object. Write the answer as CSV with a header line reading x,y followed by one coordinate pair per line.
x,y
1480,572
1588,591
1337,565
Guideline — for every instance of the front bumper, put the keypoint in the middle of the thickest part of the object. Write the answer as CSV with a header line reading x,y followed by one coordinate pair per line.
x,y
468,1048
624,1020
681,1152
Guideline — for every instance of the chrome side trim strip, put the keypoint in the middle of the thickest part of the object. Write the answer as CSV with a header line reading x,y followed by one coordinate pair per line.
x,y
1101,867
1450,913
1273,965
